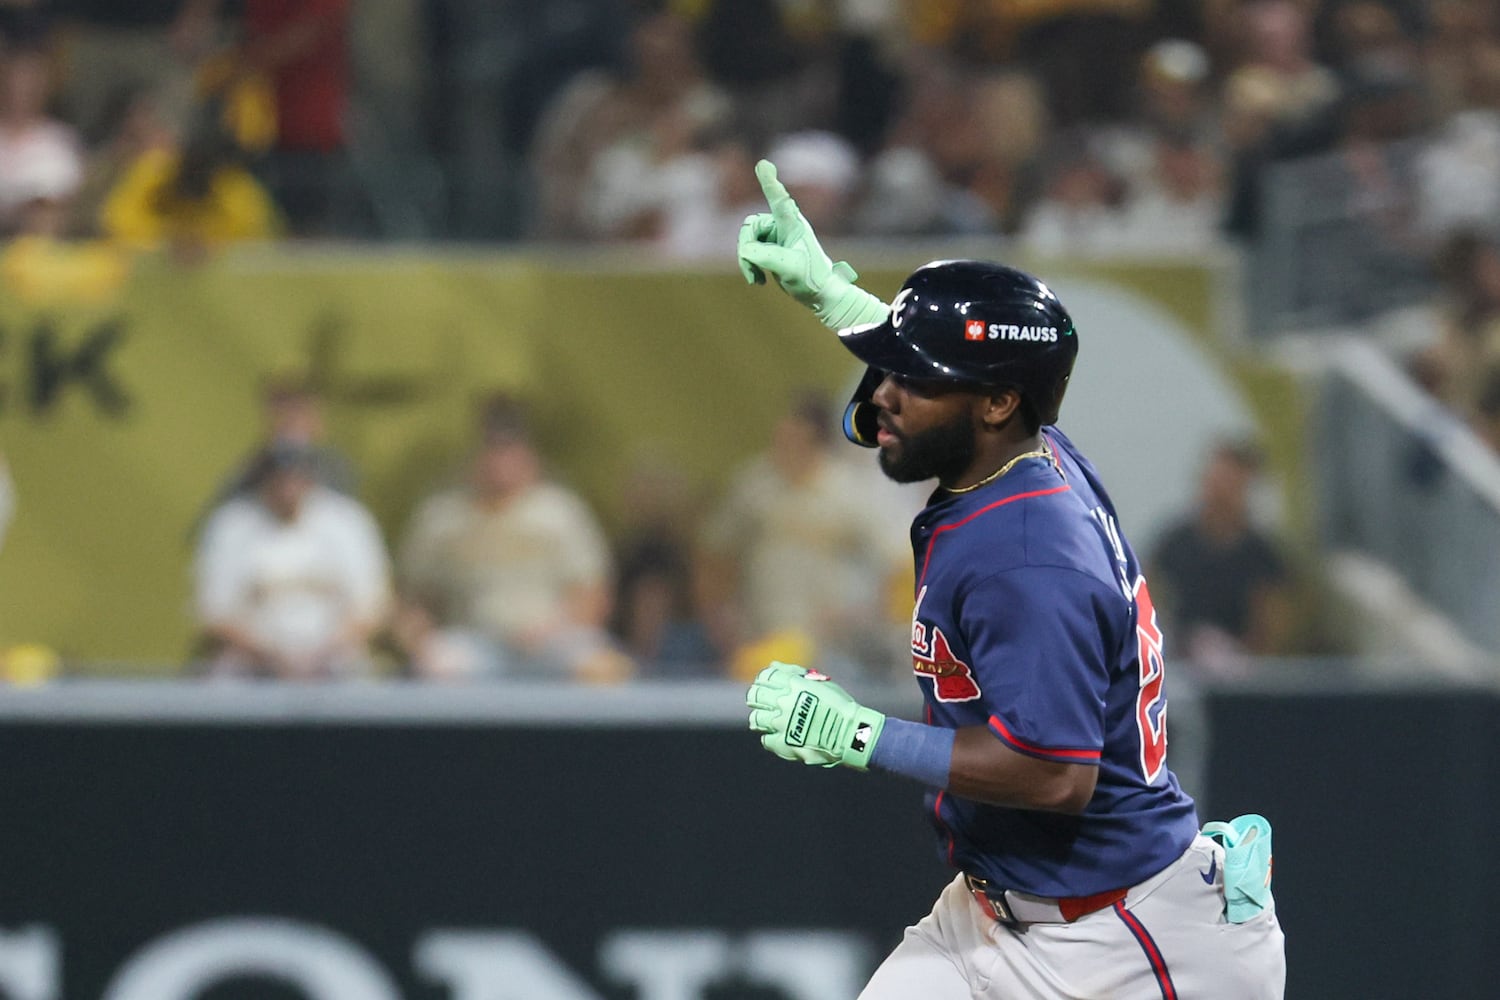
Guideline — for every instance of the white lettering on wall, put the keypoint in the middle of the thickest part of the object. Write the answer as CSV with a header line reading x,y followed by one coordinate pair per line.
x,y
184,964
321,964
665,965
29,960
808,965
496,965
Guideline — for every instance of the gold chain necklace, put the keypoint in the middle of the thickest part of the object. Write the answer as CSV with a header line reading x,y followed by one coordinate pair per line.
x,y
1041,452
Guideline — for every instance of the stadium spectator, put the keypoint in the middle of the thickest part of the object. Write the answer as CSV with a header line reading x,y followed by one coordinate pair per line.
x,y
712,188
40,174
517,558
301,48
292,580
1459,181
797,554
1278,71
957,154
137,126
1172,98
1219,581
1180,207
190,200
598,151
1008,127
41,267
822,170
1455,367
908,192
1080,208
1367,252
432,651
292,413
655,612
1278,103
40,156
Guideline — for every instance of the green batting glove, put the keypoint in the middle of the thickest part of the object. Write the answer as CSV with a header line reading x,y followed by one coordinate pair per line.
x,y
807,717
782,244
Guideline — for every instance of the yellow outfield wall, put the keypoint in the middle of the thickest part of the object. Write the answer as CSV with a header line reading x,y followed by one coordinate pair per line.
x,y
120,418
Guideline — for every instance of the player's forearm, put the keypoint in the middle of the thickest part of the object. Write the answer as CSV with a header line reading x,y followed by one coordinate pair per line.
x,y
972,763
852,307
986,770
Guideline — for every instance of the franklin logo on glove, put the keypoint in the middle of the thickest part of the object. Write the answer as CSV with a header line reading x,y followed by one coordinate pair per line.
x,y
802,713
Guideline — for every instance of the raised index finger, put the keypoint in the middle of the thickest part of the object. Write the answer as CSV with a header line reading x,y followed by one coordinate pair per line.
x,y
777,196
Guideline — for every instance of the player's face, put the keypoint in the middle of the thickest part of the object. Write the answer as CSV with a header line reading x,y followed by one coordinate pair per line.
x,y
926,429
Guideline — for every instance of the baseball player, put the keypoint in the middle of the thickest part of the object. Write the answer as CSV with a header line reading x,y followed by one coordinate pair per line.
x,y
1082,871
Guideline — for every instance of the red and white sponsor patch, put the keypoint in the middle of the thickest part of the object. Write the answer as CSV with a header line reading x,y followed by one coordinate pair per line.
x,y
974,329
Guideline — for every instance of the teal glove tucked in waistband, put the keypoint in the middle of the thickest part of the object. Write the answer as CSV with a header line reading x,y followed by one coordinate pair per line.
x,y
1247,865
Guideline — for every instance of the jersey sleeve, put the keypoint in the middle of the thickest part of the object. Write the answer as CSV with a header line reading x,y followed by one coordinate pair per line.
x,y
1039,638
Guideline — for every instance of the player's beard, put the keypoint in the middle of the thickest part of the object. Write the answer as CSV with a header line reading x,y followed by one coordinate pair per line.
x,y
943,452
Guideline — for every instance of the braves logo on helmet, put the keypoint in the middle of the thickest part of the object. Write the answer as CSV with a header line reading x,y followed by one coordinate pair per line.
x,y
898,307
931,656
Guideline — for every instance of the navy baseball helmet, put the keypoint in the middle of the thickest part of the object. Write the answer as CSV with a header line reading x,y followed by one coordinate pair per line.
x,y
973,323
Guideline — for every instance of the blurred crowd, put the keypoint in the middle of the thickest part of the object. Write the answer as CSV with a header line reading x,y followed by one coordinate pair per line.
x,y
1073,125
1355,143
504,572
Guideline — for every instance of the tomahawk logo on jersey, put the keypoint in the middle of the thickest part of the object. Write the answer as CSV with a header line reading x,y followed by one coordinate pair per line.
x,y
1029,597
931,656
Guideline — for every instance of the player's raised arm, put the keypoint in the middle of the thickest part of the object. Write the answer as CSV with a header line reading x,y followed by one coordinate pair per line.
x,y
781,243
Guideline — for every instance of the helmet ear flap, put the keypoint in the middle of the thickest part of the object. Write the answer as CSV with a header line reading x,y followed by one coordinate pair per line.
x,y
859,416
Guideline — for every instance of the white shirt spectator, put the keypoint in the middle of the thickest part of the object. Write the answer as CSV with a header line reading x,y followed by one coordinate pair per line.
x,y
506,572
41,160
1460,174
1154,222
1059,229
293,586
815,558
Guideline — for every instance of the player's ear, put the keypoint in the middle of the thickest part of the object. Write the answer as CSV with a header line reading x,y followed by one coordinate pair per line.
x,y
998,407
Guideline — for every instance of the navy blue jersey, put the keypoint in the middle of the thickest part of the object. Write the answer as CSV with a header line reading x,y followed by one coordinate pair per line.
x,y
1033,618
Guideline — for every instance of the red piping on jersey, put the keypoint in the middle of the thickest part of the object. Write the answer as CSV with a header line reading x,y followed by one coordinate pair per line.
x,y
1153,953
1009,737
937,811
983,510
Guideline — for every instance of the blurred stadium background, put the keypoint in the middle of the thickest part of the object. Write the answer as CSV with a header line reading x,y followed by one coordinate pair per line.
x,y
450,287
